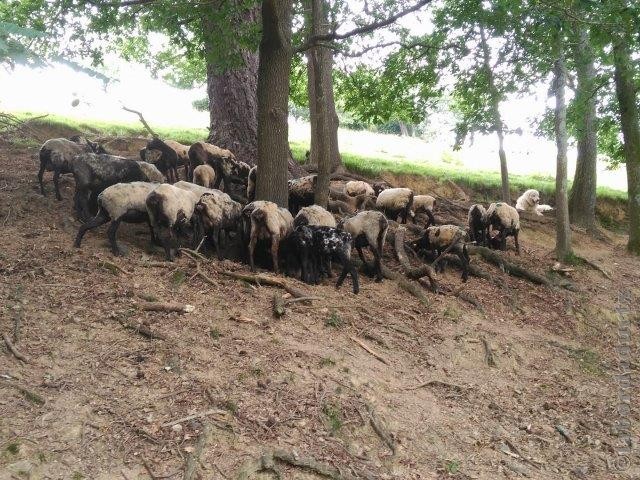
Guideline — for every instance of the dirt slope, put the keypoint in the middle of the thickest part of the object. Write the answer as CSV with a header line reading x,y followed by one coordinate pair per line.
x,y
106,396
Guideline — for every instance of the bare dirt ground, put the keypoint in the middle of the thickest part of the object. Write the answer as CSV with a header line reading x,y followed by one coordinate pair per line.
x,y
100,401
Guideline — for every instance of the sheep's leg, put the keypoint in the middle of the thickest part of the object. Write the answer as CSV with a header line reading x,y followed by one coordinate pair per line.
x,y
100,219
154,239
503,241
275,245
111,235
404,213
377,264
252,247
40,177
515,237
56,184
215,238
361,254
347,267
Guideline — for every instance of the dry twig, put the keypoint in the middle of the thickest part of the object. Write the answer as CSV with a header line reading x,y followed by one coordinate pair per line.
x,y
14,350
369,350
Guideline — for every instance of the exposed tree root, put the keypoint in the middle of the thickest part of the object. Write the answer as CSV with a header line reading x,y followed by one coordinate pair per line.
x,y
14,350
165,307
488,353
267,463
380,429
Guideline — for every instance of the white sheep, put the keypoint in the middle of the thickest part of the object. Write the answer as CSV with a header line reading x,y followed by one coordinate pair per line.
x,y
216,213
506,220
204,175
424,205
354,188
301,192
122,202
394,202
314,215
529,201
368,228
269,222
170,210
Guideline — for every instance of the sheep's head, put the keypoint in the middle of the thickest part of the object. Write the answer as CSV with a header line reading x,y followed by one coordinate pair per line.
x,y
96,147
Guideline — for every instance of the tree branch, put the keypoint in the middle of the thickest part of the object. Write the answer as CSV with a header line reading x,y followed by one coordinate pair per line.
x,y
370,27
123,3
142,120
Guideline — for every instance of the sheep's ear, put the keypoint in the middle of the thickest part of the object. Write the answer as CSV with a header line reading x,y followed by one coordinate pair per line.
x,y
199,207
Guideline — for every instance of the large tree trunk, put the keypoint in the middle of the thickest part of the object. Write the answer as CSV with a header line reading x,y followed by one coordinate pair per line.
x,y
233,107
563,228
498,124
627,101
582,199
320,122
325,68
273,96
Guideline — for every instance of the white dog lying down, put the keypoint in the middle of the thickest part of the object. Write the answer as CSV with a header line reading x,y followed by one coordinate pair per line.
x,y
529,202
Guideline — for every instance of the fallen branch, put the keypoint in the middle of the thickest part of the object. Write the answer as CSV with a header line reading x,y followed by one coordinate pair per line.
x,y
413,273
29,395
112,267
142,330
488,353
213,411
193,460
413,289
369,350
278,305
380,430
14,350
165,307
565,433
265,280
142,120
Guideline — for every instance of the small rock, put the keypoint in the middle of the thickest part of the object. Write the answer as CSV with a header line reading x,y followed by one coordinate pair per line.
x,y
177,428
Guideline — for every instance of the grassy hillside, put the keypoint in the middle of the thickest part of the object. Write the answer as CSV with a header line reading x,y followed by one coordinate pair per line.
x,y
482,181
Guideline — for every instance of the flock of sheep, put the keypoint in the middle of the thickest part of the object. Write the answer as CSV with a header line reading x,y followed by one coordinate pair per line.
x,y
195,212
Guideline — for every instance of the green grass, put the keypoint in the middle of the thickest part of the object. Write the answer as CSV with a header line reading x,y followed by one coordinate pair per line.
x,y
481,181
477,180
101,127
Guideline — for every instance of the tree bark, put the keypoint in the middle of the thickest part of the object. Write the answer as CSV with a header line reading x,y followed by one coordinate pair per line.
x,y
320,124
582,198
325,69
274,68
233,108
563,229
627,102
498,124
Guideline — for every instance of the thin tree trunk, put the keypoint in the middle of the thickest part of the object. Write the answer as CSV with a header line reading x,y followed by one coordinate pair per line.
x,y
498,124
563,230
324,69
273,96
627,102
582,198
318,56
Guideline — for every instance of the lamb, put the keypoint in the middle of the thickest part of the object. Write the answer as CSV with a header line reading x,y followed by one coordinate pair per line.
x,y
506,220
477,219
269,222
172,155
356,187
301,192
251,184
368,228
424,205
122,202
223,161
394,202
93,173
60,163
314,215
529,201
440,238
316,245
216,213
170,210
204,175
